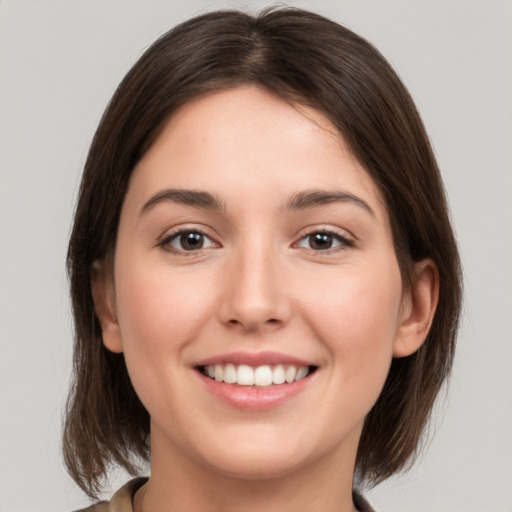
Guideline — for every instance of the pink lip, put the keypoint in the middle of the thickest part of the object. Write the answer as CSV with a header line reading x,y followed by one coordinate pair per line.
x,y
253,359
252,398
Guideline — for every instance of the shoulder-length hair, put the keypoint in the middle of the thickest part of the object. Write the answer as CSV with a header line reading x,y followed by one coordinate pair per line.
x,y
303,58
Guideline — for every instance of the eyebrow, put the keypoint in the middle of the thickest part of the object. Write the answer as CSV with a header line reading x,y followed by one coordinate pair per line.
x,y
314,198
194,198
299,201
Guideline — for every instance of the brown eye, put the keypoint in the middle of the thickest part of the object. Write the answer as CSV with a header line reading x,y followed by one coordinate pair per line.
x,y
187,241
324,240
191,241
320,241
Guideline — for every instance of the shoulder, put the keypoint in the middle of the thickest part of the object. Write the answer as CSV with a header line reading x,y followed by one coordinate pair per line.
x,y
121,501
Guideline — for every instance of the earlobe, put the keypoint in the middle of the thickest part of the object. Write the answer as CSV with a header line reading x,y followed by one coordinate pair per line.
x,y
102,288
418,309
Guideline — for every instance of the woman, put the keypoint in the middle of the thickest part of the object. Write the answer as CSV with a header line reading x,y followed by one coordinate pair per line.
x,y
265,282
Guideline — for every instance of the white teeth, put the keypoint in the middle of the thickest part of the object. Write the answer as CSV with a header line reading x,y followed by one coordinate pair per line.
x,y
245,375
290,374
261,376
219,373
230,374
301,373
278,375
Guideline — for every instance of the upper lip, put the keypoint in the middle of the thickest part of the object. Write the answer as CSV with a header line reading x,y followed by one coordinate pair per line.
x,y
253,359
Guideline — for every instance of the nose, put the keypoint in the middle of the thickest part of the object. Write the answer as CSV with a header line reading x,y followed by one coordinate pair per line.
x,y
254,290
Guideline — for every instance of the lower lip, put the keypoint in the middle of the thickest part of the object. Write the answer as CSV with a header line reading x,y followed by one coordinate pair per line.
x,y
254,398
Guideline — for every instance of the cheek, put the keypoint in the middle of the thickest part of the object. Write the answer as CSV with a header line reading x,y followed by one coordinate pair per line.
x,y
160,314
354,305
158,306
356,315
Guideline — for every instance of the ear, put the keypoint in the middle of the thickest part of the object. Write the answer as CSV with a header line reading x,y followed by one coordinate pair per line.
x,y
418,308
103,294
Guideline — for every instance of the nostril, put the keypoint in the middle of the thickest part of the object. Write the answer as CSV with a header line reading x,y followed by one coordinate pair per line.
x,y
270,321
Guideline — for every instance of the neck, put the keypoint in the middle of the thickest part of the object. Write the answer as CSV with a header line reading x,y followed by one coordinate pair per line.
x,y
178,482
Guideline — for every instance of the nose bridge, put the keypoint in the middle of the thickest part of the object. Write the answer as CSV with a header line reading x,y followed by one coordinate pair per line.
x,y
254,296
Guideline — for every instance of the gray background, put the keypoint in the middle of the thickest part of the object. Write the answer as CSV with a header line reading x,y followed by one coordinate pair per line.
x,y
59,64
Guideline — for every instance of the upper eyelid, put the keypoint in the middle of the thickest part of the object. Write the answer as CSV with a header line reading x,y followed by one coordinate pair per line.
x,y
164,241
342,234
173,232
323,228
345,240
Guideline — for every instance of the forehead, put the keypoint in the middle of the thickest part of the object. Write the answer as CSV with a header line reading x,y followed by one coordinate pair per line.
x,y
247,142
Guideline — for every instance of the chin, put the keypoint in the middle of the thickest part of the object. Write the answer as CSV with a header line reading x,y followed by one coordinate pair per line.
x,y
263,458
244,467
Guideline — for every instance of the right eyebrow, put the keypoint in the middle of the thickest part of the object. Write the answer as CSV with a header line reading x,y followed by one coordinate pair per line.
x,y
317,197
194,198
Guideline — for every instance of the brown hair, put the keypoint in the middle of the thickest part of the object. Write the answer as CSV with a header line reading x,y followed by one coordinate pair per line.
x,y
305,58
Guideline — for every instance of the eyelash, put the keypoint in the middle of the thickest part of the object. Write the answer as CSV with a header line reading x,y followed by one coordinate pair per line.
x,y
343,242
176,235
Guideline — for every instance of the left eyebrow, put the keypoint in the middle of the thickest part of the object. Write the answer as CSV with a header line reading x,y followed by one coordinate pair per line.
x,y
313,198
194,198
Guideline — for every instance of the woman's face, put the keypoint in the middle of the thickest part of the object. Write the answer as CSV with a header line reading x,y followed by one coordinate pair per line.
x,y
254,249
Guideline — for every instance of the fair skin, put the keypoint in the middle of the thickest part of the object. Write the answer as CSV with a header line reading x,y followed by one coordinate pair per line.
x,y
284,260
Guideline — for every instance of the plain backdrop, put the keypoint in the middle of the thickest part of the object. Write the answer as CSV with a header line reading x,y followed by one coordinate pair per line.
x,y
60,62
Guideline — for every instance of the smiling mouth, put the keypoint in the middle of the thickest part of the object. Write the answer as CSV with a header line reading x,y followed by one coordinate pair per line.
x,y
258,376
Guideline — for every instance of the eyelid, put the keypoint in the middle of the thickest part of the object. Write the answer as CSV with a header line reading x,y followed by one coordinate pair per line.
x,y
346,240
164,240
